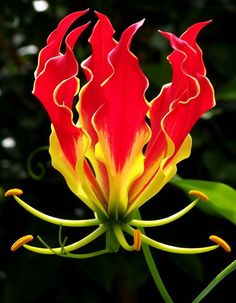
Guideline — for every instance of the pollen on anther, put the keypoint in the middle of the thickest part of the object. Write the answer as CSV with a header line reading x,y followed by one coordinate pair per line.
x,y
13,192
222,243
198,194
137,240
23,240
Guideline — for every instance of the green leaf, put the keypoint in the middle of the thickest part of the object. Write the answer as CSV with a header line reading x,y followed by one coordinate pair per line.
x,y
222,198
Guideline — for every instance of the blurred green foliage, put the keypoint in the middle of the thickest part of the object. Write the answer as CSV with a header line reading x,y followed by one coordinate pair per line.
x,y
24,127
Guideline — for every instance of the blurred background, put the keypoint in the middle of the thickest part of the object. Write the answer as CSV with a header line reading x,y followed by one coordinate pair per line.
x,y
24,127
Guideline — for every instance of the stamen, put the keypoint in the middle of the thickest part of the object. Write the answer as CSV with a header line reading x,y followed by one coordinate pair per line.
x,y
198,194
222,243
13,192
54,220
159,222
169,248
23,240
137,240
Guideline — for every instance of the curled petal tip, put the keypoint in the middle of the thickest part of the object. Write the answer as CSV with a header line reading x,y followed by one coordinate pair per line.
x,y
13,192
198,194
142,21
162,32
98,13
222,243
20,242
85,10
208,21
139,23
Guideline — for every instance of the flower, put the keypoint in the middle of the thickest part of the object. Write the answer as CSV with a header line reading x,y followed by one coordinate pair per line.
x,y
122,149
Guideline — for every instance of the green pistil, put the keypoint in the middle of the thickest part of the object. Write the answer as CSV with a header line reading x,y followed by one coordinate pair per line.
x,y
117,229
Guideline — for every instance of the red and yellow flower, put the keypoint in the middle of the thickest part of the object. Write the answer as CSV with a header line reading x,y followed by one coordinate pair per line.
x,y
122,149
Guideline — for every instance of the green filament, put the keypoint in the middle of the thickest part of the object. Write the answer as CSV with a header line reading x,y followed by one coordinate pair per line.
x,y
155,223
54,220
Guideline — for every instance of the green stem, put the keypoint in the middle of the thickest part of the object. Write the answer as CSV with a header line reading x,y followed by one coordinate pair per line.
x,y
153,269
225,272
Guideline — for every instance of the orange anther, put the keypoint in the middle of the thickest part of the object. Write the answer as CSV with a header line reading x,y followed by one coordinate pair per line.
x,y
198,194
13,192
222,243
137,240
23,240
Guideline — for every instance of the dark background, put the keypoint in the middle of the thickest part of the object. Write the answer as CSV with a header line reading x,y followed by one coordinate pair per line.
x,y
24,126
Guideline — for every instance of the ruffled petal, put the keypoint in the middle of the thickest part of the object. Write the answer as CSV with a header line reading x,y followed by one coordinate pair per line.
x,y
55,87
120,121
156,179
122,115
189,85
97,69
54,41
61,163
173,114
196,94
80,180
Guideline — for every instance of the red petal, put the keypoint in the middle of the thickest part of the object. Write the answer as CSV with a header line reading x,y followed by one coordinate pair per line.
x,y
55,87
188,86
54,40
182,118
97,68
180,103
190,36
122,117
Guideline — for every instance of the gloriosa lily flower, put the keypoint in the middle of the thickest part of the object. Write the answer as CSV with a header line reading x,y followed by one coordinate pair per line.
x,y
122,149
